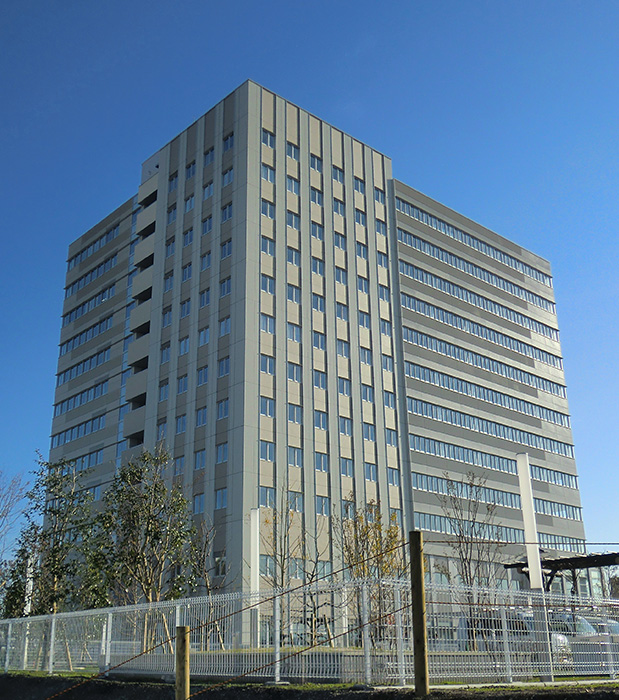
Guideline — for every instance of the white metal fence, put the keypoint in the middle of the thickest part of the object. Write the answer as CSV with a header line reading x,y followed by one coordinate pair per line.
x,y
352,631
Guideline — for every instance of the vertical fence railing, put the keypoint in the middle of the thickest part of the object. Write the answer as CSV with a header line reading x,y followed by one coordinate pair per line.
x,y
357,631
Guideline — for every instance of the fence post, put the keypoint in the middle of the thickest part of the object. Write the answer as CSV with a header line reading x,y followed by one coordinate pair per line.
x,y
24,658
276,638
52,641
108,642
366,632
182,663
7,655
418,601
506,649
399,638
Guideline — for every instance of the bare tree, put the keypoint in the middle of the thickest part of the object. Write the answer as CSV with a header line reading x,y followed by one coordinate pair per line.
x,y
12,492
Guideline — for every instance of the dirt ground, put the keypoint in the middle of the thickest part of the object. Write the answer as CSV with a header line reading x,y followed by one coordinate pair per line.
x,y
20,687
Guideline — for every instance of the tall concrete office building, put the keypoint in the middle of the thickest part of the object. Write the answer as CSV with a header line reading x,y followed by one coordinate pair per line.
x,y
303,331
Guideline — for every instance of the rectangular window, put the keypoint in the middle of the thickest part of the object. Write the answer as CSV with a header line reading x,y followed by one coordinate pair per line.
x,y
292,151
338,174
168,282
266,497
189,203
202,375
225,287
198,503
267,209
209,156
267,245
204,335
166,317
316,196
183,346
294,256
346,466
267,323
316,163
317,231
169,248
181,384
295,414
185,308
362,251
383,292
381,227
339,207
363,285
221,451
389,398
379,195
341,275
181,424
295,372
343,386
163,391
227,177
388,363
320,420
165,353
295,457
207,225
162,430
205,261
345,426
172,214
292,184
369,432
293,220
383,259
318,302
295,501
365,356
343,348
221,498
364,319
320,379
201,417
267,364
294,332
359,186
173,182
267,173
223,408
385,327
319,340
223,367
391,437
226,213
186,273
293,293
318,266
371,472
367,393
393,476
267,451
179,465
341,311
323,505
339,240
199,460
267,566
267,284
226,249
360,217
267,407
268,139
228,142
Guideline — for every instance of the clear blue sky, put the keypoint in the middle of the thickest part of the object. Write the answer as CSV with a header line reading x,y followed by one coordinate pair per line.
x,y
505,111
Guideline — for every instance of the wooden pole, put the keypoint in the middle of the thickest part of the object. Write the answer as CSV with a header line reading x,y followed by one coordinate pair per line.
x,y
182,663
420,639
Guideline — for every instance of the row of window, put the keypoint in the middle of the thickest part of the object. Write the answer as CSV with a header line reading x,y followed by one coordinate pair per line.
x,y
557,510
476,329
222,412
88,461
84,366
476,360
221,502
474,270
207,224
89,305
477,300
78,431
459,489
190,168
90,394
471,241
93,247
86,335
487,427
457,453
440,523
91,275
482,393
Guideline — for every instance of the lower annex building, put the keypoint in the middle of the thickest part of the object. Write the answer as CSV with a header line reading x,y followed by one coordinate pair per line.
x,y
303,331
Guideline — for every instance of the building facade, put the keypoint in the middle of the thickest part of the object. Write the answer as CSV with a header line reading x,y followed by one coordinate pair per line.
x,y
306,335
